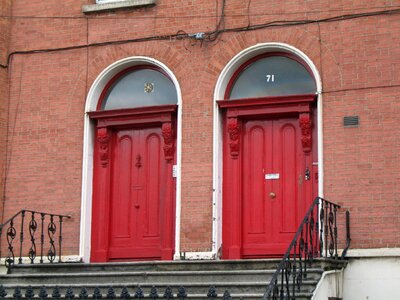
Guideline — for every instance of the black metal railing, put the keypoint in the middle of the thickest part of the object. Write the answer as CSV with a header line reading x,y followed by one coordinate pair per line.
x,y
109,293
34,235
317,236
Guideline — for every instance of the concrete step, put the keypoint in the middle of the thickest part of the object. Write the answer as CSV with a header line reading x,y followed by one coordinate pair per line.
x,y
183,265
160,277
247,279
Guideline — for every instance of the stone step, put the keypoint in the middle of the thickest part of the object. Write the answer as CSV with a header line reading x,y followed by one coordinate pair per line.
x,y
184,265
247,279
126,277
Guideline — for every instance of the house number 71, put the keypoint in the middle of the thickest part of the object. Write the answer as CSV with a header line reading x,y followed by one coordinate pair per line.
x,y
270,77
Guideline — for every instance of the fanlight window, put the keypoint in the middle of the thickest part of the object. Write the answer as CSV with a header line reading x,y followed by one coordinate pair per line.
x,y
271,75
138,87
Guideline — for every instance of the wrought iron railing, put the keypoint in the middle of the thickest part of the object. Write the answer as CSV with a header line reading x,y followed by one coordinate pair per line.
x,y
39,229
317,236
109,293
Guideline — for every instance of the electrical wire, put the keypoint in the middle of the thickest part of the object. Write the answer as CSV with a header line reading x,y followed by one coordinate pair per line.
x,y
212,35
248,13
375,87
203,16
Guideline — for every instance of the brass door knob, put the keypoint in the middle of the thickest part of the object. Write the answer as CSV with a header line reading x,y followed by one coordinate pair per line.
x,y
272,195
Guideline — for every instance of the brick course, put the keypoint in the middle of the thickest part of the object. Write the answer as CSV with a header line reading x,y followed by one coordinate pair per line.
x,y
5,26
358,59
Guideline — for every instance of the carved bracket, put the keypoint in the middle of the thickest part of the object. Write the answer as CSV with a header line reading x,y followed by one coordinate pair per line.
x,y
103,137
168,135
234,136
306,131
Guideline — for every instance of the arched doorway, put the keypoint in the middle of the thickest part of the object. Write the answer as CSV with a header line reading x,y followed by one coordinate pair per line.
x,y
134,128
269,153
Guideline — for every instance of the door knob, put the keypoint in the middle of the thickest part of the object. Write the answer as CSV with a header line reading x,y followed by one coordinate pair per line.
x,y
137,205
272,195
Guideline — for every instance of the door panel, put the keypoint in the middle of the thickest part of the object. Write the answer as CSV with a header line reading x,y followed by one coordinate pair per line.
x,y
272,171
255,188
122,228
137,193
286,157
153,176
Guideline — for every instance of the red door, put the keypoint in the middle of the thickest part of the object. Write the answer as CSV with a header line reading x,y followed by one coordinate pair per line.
x,y
137,193
269,173
273,178
133,185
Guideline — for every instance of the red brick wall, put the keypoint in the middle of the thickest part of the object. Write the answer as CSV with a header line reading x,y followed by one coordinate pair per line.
x,y
45,141
5,11
3,133
362,164
358,59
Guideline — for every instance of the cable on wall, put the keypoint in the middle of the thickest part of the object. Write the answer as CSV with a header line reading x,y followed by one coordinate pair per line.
x,y
212,35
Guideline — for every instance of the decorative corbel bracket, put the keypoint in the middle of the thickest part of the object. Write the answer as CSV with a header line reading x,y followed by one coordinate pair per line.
x,y
103,137
168,135
234,136
306,131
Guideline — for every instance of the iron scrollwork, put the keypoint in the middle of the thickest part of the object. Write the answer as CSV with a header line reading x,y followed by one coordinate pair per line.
x,y
32,230
11,234
51,230
84,292
16,246
316,236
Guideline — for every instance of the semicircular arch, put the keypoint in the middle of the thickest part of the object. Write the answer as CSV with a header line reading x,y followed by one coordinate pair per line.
x,y
220,93
93,97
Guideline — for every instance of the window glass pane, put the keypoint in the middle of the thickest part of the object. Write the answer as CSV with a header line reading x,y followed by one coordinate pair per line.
x,y
143,87
273,76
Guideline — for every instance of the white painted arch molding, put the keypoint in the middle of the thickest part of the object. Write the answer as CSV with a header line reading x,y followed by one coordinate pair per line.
x,y
87,166
219,93
255,50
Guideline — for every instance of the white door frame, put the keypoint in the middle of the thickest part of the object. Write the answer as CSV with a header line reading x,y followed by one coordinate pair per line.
x,y
88,144
219,93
